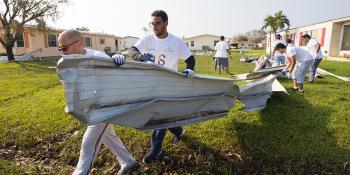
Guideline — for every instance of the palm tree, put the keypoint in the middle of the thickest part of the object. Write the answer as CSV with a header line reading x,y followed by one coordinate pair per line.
x,y
273,23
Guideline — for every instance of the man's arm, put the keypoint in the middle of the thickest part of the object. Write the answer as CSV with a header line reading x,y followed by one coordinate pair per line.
x,y
135,54
318,47
273,53
293,62
190,62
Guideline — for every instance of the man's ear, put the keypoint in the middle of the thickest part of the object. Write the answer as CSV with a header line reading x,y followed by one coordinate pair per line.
x,y
166,23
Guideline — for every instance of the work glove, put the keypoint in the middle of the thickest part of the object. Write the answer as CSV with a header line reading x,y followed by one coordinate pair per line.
x,y
284,72
118,59
146,57
289,75
189,73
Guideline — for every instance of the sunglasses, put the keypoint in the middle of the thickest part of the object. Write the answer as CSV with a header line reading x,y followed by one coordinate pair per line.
x,y
65,48
153,24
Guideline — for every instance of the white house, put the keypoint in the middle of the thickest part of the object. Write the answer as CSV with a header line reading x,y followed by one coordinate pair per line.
x,y
202,42
333,35
126,42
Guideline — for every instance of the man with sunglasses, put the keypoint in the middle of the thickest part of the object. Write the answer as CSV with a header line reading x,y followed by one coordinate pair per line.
x,y
71,42
164,49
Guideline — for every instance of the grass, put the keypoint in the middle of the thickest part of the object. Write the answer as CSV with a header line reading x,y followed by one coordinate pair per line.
x,y
295,134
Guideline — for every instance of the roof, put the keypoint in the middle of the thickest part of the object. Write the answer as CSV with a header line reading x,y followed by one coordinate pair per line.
x,y
331,20
131,37
203,35
82,32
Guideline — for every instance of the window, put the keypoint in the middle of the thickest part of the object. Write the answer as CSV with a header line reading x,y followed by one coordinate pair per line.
x,y
52,40
19,40
345,44
192,43
102,41
87,41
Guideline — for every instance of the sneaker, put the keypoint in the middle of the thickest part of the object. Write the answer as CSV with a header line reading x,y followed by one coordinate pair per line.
x,y
151,156
176,138
301,91
128,168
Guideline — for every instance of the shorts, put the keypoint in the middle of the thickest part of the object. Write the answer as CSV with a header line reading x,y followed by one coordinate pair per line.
x,y
222,62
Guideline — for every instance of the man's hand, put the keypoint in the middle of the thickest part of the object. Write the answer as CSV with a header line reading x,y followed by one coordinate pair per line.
x,y
189,73
118,59
284,72
146,57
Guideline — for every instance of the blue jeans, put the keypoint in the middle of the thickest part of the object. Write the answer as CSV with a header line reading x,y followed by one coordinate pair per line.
x,y
314,69
301,70
159,134
281,60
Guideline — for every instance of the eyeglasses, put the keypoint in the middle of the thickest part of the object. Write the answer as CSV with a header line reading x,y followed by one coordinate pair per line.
x,y
153,24
65,48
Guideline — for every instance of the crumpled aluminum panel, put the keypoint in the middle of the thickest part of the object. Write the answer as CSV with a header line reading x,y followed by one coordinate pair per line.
x,y
148,96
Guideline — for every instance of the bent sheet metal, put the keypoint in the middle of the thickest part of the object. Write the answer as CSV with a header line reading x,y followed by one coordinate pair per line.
x,y
148,96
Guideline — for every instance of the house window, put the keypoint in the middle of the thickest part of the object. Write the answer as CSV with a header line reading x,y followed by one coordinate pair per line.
x,y
345,44
19,40
102,41
192,43
52,40
87,41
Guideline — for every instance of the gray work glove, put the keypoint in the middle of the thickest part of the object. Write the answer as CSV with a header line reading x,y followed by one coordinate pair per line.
x,y
146,57
118,59
189,73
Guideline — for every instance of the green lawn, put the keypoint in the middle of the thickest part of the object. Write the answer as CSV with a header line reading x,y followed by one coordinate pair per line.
x,y
295,134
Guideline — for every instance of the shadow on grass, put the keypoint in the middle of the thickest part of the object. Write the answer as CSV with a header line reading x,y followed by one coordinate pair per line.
x,y
196,158
293,137
30,65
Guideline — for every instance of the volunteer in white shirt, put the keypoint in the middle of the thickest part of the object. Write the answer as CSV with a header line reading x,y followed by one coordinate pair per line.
x,y
221,55
71,42
299,60
314,48
164,49
279,57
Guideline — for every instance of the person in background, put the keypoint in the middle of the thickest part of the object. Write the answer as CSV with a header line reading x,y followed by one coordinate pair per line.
x,y
222,55
299,60
279,57
71,42
164,49
314,48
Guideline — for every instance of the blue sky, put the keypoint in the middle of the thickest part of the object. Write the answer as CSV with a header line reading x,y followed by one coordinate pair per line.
x,y
193,17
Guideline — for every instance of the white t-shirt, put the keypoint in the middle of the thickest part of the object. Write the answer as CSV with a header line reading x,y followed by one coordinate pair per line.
x,y
167,51
221,49
299,53
277,53
96,53
312,46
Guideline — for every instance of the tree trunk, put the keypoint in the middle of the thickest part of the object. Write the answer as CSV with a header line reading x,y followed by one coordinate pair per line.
x,y
271,45
9,53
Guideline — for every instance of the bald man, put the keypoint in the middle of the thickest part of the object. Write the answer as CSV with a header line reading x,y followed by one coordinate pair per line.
x,y
71,42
